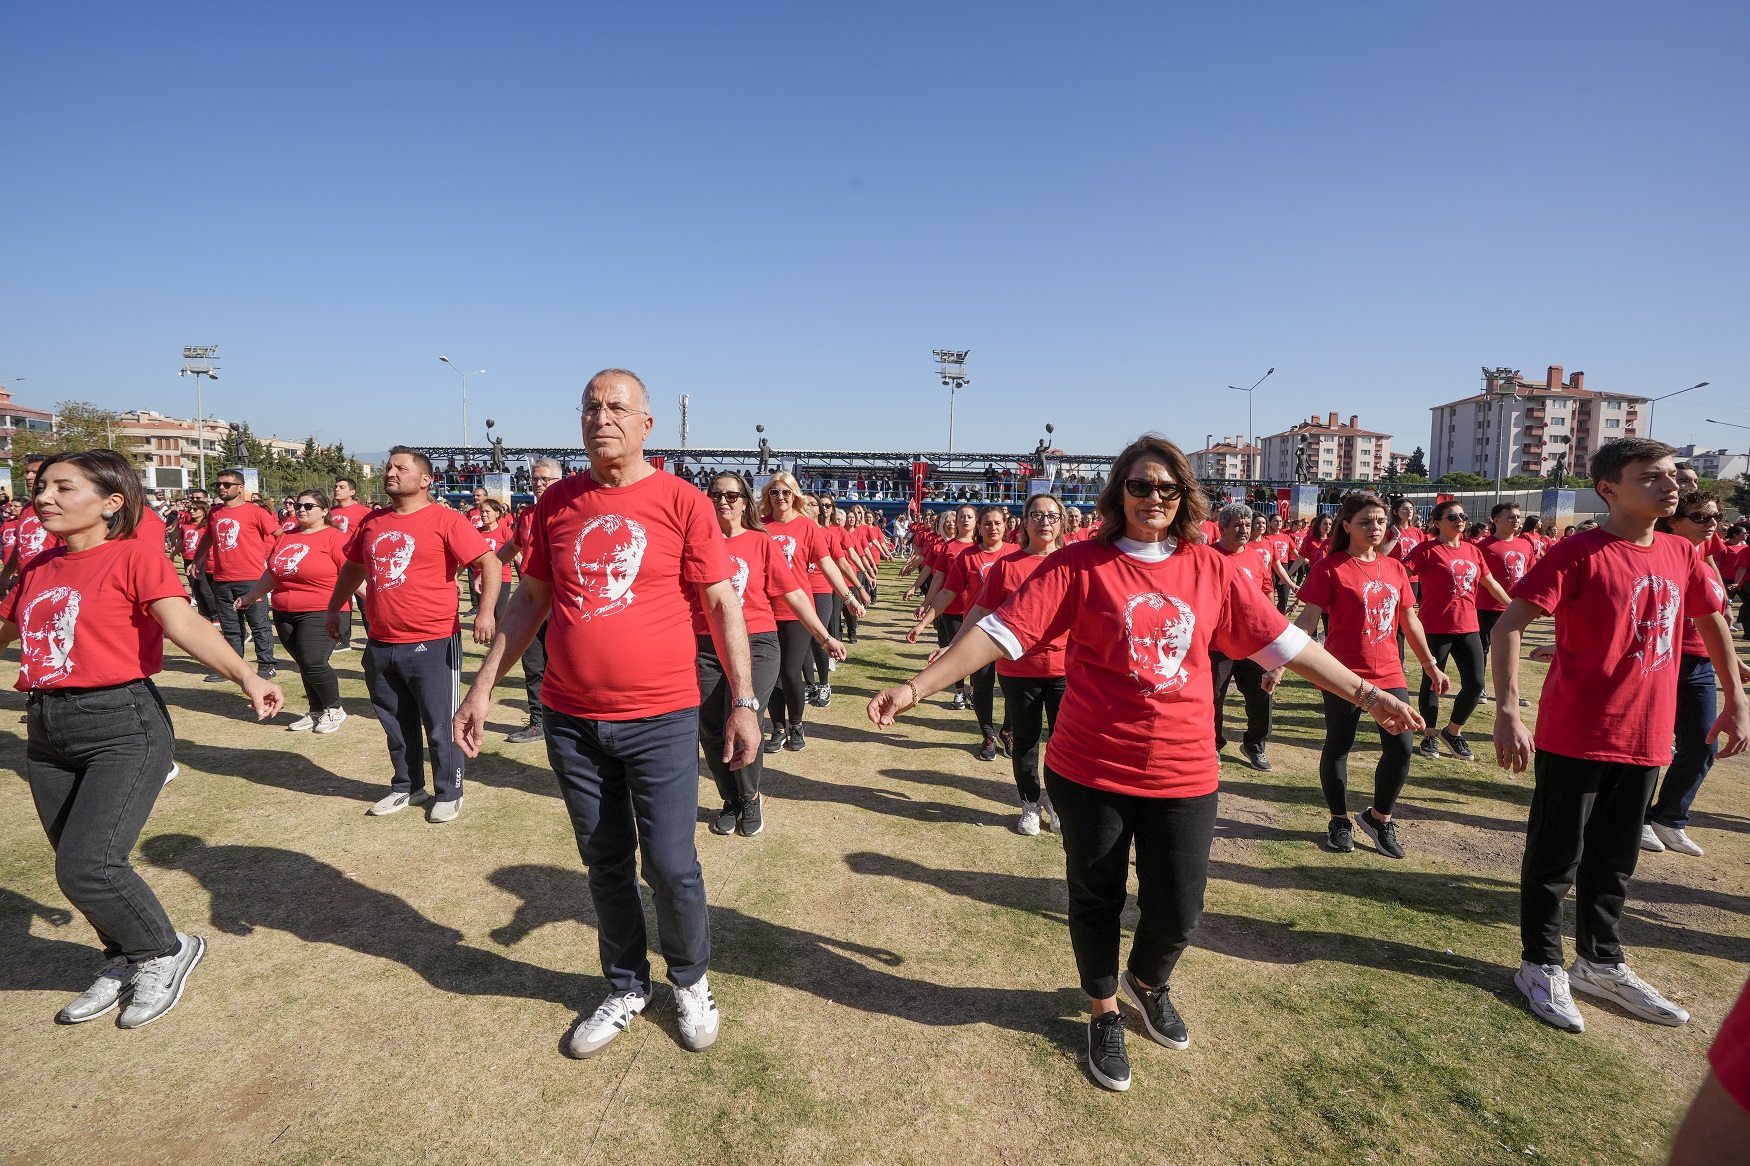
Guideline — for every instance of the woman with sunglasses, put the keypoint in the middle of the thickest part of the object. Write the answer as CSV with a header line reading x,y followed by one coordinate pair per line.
x,y
807,554
761,579
200,580
300,576
1452,570
1132,765
1366,594
955,597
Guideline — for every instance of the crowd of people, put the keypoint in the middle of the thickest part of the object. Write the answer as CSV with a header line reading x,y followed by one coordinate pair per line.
x,y
656,617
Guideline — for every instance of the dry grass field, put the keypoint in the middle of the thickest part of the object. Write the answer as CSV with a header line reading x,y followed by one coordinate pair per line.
x,y
890,957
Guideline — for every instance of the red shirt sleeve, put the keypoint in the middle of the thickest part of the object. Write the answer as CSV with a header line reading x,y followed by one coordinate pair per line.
x,y
956,581
780,580
1550,579
1317,588
464,543
1044,606
1250,622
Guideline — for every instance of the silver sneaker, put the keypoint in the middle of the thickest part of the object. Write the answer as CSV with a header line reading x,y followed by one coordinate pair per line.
x,y
113,983
395,803
607,1022
1649,840
301,724
1545,988
1674,838
444,811
1615,982
1049,813
1029,824
330,720
158,983
698,1015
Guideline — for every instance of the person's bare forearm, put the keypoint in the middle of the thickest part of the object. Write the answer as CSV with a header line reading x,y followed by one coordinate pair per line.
x,y
802,604
1418,638
516,631
962,659
1308,619
491,579
729,633
346,585
1329,673
834,578
1504,644
200,639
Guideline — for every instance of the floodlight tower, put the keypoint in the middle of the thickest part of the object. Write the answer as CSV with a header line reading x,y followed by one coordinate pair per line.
x,y
464,376
199,360
952,367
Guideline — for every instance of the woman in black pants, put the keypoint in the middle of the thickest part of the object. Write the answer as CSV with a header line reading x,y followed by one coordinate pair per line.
x,y
761,579
1451,571
301,572
90,616
1366,594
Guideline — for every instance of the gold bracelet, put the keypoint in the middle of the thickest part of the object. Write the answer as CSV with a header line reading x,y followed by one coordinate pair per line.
x,y
916,700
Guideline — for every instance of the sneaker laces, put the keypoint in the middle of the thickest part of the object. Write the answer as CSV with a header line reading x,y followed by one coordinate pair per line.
x,y
695,1000
155,975
615,1008
1110,1034
1560,993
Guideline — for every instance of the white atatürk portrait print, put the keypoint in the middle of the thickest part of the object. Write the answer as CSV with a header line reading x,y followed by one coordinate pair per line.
x,y
46,629
1158,631
1652,610
606,557
391,555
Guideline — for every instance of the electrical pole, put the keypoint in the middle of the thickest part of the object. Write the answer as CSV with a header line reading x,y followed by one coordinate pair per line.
x,y
952,368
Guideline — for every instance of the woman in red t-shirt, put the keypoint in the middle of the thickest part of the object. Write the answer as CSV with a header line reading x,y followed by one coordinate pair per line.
x,y
768,590
954,596
1451,570
200,578
300,576
1314,545
959,531
1366,594
498,529
1132,763
90,615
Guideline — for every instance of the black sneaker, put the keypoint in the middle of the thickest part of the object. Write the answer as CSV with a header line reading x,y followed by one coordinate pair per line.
x,y
724,822
752,819
1253,755
1339,836
267,672
213,678
1384,834
1106,1057
810,695
988,750
532,732
1007,739
1456,743
776,741
1162,1021
1428,748
823,696
795,742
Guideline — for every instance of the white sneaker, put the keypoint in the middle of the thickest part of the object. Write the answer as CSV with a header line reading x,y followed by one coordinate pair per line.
x,y
1029,819
330,720
1649,840
607,1022
1617,983
445,811
304,722
1674,838
698,1015
395,803
1049,812
174,770
831,664
1545,988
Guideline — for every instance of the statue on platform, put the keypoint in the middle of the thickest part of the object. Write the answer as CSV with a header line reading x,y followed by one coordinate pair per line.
x,y
1558,472
765,450
1300,461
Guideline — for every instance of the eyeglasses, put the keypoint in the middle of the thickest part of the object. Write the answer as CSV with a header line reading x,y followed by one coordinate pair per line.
x,y
593,410
1142,488
1701,517
725,495
1449,517
308,506
1044,516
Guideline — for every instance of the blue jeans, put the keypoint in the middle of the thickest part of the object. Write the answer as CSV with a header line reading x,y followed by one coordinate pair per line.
x,y
1697,705
631,786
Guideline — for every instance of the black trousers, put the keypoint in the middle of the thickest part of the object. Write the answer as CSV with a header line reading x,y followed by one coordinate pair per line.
x,y
535,670
1466,651
200,585
1171,837
1584,832
1029,702
415,689
96,760
258,616
787,704
984,684
1250,678
735,785
947,627
303,634
1389,776
816,671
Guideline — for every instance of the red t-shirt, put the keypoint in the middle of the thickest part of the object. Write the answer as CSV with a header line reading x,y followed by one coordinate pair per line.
x,y
622,561
1409,538
410,563
1366,603
1611,693
151,527
190,538
836,541
1003,580
966,575
1138,705
1282,548
1507,560
305,566
8,539
1211,531
242,536
1313,549
804,544
497,537
1450,578
349,516
1729,1056
761,579
1258,559
85,621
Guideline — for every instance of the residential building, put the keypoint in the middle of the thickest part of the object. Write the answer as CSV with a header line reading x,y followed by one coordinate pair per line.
x,y
1714,463
170,448
1230,459
1335,452
1400,463
14,417
1520,432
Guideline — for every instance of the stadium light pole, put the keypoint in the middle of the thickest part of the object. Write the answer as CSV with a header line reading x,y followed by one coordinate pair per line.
x,y
951,364
464,376
1667,396
1731,424
199,360
1251,424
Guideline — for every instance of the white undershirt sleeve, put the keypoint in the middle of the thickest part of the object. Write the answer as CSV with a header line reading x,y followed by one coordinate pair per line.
x,y
993,627
1279,651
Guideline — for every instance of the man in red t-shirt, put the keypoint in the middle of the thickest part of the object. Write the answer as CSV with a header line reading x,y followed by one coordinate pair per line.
x,y
612,559
542,474
409,553
1619,595
1256,683
348,511
240,535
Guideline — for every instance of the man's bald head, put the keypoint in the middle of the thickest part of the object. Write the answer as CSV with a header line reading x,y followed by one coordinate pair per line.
x,y
641,394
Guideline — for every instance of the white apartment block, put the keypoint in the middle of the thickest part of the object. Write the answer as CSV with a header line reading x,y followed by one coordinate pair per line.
x,y
1521,433
1335,452
1229,460
170,447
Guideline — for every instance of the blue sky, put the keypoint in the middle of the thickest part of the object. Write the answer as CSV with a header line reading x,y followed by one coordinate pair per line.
x,y
781,209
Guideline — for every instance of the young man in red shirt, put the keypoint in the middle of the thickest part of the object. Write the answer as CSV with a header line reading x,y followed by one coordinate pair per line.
x,y
348,511
613,557
240,536
410,552
1618,595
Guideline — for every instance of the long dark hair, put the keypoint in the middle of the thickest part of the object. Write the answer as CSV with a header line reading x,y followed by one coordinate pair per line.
x,y
1353,504
109,473
1193,506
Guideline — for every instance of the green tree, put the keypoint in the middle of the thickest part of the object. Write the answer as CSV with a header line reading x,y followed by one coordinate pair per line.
x,y
1464,481
1740,498
1408,479
78,425
1418,464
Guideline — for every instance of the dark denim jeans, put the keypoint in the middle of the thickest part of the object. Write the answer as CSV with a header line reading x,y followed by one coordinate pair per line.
x,y
96,760
734,785
631,786
1698,703
257,615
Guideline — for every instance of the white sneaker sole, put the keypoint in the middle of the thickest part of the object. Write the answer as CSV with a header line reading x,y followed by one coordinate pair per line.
x,y
1555,1022
579,1051
1128,992
200,953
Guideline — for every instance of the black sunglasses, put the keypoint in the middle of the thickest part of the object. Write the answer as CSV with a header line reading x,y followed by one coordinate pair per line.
x,y
1141,488
1449,517
725,495
307,506
1700,517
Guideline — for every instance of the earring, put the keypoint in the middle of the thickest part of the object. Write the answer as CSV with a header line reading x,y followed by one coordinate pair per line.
x,y
109,514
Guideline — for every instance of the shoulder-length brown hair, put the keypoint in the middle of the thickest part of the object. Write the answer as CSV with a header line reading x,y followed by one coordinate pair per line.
x,y
109,473
750,511
1353,504
1193,506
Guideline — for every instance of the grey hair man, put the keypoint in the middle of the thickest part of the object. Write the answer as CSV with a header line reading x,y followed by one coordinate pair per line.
x,y
1254,681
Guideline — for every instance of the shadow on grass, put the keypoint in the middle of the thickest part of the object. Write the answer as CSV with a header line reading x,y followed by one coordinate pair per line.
x,y
787,786
280,769
30,963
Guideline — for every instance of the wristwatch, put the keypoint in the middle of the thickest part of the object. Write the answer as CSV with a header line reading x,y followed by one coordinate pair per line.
x,y
746,702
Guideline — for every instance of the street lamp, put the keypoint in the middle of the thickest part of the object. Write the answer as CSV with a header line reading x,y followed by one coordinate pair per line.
x,y
1730,424
1251,426
197,362
1502,384
1656,400
464,376
953,372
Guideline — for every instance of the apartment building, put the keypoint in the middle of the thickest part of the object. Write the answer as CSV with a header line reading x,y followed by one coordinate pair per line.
x,y
1519,429
1335,452
1230,459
